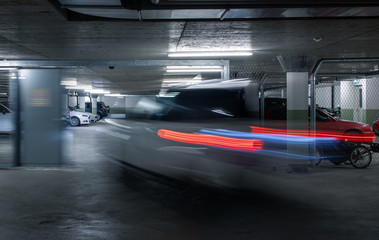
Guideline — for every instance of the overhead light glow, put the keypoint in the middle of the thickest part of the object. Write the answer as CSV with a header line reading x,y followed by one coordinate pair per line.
x,y
193,69
99,91
8,69
79,87
211,54
69,83
114,95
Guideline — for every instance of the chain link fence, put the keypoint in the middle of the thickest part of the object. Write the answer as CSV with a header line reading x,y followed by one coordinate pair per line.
x,y
347,102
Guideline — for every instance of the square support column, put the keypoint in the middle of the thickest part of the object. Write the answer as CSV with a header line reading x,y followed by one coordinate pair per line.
x,y
297,100
41,113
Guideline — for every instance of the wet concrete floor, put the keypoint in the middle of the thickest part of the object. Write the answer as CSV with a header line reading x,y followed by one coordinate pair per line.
x,y
93,198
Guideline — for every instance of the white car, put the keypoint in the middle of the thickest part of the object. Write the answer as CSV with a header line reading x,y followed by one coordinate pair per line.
x,y
93,117
78,118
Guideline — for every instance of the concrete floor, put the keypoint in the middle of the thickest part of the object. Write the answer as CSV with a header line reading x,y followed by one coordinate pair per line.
x,y
93,198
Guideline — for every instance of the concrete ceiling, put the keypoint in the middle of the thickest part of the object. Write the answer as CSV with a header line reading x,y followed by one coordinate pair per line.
x,y
36,30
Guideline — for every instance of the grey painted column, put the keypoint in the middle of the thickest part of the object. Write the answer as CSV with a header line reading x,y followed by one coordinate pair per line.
x,y
297,100
40,114
94,103
82,103
297,68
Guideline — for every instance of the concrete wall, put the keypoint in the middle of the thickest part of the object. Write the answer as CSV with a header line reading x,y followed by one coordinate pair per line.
x,y
117,104
276,93
124,105
324,96
371,100
350,109
348,101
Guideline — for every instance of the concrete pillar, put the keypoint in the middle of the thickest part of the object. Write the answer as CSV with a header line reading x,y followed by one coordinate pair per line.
x,y
82,103
94,103
41,112
297,68
72,100
297,100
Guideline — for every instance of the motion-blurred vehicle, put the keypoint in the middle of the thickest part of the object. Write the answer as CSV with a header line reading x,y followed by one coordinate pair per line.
x,y
204,133
6,118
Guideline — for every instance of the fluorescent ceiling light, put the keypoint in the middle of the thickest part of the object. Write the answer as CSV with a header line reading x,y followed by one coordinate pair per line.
x,y
69,83
79,87
114,95
100,91
166,94
8,68
181,81
211,54
193,69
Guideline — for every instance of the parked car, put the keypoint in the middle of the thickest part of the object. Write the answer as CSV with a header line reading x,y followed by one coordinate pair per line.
x,y
276,109
102,109
78,118
375,127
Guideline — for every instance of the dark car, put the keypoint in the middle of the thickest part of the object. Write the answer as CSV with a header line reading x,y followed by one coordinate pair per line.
x,y
102,109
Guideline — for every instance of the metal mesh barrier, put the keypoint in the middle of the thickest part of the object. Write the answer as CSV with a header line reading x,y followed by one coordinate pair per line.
x,y
347,103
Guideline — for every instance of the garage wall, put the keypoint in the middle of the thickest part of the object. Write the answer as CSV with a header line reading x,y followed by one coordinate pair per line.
x,y
124,105
276,93
324,96
371,99
348,100
117,104
350,109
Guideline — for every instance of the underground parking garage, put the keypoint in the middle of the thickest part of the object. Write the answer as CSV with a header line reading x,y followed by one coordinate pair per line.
x,y
189,120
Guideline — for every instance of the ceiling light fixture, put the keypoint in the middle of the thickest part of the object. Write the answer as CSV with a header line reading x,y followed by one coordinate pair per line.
x,y
211,54
195,69
79,87
114,95
69,83
99,91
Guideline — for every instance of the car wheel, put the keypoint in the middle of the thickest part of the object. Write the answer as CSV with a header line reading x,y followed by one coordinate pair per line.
x,y
360,157
74,121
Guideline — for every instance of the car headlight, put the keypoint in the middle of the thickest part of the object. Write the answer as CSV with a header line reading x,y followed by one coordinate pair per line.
x,y
84,115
